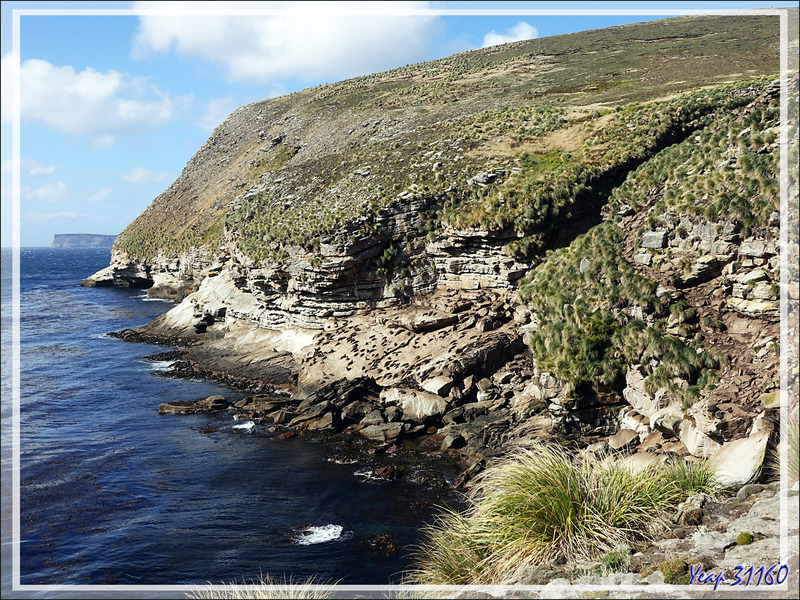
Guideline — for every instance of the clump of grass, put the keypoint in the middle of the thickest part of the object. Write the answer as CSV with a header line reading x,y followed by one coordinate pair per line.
x,y
265,587
616,560
544,506
792,441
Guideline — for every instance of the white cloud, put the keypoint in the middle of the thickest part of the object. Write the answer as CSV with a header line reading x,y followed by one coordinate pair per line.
x,y
88,102
101,142
520,31
217,110
309,41
52,192
30,167
142,175
100,195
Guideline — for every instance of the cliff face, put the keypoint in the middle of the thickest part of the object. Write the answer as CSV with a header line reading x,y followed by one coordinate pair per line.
x,y
361,244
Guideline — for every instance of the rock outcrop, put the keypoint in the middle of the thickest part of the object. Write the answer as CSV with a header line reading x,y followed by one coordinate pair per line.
x,y
360,247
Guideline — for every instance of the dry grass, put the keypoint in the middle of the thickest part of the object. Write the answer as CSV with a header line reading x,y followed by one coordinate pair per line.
x,y
543,506
265,587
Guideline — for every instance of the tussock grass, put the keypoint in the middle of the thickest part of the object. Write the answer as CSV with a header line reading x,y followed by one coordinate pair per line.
x,y
544,506
266,587
792,440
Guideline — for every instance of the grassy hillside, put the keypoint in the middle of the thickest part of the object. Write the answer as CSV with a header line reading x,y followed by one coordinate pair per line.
x,y
551,115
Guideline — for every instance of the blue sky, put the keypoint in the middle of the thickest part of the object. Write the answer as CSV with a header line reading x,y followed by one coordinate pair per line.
x,y
112,107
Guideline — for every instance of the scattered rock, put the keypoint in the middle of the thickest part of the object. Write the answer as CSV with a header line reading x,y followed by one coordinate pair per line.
x,y
655,239
384,543
624,438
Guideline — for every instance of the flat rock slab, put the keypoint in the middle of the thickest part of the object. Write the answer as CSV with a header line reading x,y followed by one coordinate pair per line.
x,y
189,407
624,438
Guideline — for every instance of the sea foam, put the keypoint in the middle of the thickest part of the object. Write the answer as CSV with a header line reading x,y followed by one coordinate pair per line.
x,y
246,425
319,535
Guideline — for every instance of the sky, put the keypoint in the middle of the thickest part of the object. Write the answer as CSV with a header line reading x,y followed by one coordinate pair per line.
x,y
113,106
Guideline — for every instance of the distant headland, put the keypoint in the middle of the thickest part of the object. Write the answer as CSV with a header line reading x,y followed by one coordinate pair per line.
x,y
82,240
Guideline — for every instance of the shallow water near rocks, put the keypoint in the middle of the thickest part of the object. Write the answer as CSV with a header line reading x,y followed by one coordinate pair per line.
x,y
114,493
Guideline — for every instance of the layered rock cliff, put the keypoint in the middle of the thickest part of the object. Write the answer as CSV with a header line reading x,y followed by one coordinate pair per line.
x,y
574,236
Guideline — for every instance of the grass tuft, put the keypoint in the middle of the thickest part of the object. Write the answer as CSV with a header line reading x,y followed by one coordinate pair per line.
x,y
266,587
544,506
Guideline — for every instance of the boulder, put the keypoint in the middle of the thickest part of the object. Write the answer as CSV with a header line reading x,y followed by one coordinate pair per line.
x,y
374,417
453,441
624,438
630,418
704,268
666,419
416,405
440,385
327,422
213,403
641,461
355,411
636,394
739,462
387,432
753,248
655,239
696,440
310,414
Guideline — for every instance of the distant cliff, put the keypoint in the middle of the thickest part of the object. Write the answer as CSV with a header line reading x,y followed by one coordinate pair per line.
x,y
82,240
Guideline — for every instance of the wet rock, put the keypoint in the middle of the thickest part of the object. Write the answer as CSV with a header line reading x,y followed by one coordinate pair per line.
x,y
279,417
388,432
327,422
310,414
388,472
187,407
384,543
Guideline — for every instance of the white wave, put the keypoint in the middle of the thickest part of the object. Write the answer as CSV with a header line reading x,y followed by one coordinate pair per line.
x,y
367,474
160,365
319,535
342,461
246,425
149,299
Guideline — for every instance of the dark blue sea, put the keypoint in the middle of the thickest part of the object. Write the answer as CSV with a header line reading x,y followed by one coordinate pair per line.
x,y
114,493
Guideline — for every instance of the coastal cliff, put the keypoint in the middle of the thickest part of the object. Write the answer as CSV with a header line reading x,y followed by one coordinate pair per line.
x,y
570,238
82,240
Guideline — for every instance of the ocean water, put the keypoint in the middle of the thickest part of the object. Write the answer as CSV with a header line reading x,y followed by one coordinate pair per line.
x,y
114,493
